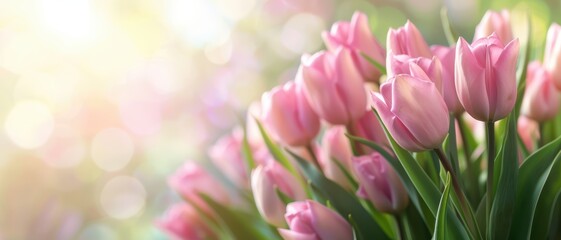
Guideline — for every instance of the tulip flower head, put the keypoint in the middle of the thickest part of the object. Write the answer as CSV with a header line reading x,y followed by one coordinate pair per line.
x,y
413,111
486,77
400,64
495,22
447,56
311,220
379,183
288,115
336,147
333,86
182,222
227,155
265,180
541,98
407,40
356,36
552,57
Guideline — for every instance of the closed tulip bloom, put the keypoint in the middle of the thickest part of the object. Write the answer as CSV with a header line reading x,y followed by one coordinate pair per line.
x,y
541,99
309,220
226,154
447,56
552,58
182,222
407,40
528,130
379,183
333,86
413,111
400,64
336,147
486,77
368,127
288,115
495,22
265,179
191,180
356,36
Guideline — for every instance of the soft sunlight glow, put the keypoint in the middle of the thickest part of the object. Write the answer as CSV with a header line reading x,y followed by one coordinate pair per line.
x,y
196,21
123,197
112,149
29,124
72,20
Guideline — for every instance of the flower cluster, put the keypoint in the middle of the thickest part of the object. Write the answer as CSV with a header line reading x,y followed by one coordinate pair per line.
x,y
362,143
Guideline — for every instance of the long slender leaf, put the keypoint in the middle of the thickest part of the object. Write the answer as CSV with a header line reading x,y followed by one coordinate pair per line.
x,y
440,226
531,179
274,149
450,34
345,203
545,207
376,64
503,204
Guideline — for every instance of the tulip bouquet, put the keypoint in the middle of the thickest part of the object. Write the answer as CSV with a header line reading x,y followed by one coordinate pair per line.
x,y
384,143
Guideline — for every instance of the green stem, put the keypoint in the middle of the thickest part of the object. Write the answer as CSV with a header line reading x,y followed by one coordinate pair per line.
x,y
471,174
470,221
400,226
490,166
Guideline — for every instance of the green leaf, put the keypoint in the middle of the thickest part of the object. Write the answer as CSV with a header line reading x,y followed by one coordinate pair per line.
x,y
440,226
451,147
531,179
343,202
545,207
347,174
246,151
241,225
283,197
503,205
274,149
376,64
450,34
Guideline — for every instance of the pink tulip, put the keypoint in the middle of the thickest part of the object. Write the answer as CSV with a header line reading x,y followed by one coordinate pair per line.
x,y
447,57
309,220
486,77
495,22
334,86
541,99
227,155
413,111
356,36
288,115
400,64
552,58
407,40
528,131
379,183
336,147
191,180
368,127
182,222
265,179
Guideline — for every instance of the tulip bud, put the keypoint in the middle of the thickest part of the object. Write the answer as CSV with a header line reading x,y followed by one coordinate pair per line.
x,y
191,180
356,36
182,222
265,180
311,220
495,22
447,57
368,127
336,147
552,58
288,115
541,99
486,77
400,64
413,111
528,131
407,40
379,183
227,155
333,86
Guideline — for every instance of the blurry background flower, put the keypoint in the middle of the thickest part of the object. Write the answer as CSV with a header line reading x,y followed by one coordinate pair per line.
x,y
102,100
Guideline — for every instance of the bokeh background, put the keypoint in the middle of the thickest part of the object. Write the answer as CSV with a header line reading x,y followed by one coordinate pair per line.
x,y
101,100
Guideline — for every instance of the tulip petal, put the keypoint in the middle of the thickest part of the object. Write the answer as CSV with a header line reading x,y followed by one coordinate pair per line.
x,y
328,224
505,79
470,82
349,84
292,235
